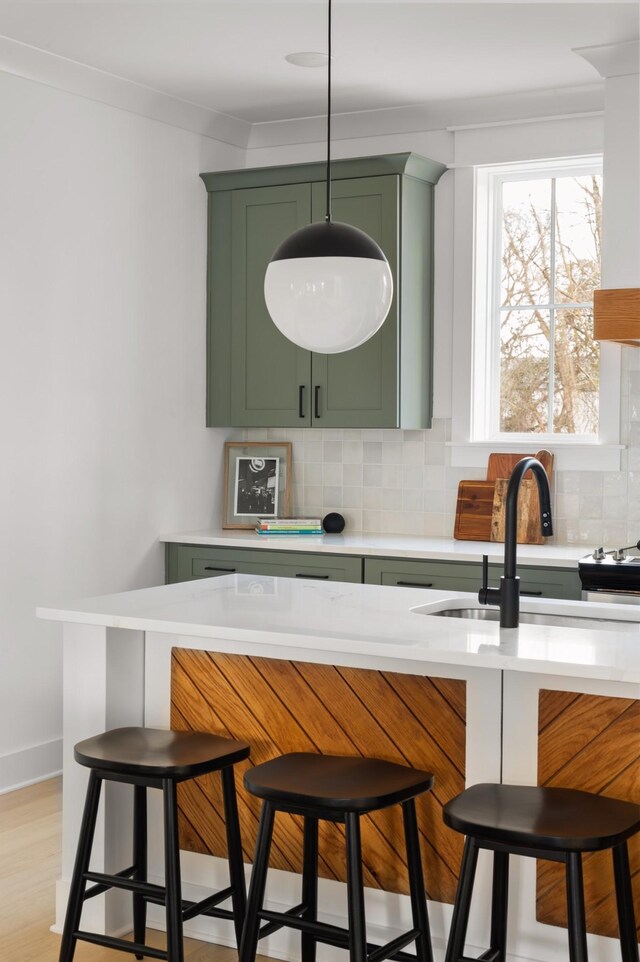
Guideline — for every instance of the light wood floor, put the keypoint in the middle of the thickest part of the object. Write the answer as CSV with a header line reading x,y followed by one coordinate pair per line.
x,y
29,866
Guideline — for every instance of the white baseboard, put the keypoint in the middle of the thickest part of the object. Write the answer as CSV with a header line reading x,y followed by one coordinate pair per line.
x,y
30,765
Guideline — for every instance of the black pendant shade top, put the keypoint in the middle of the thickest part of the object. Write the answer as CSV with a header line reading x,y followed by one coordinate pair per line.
x,y
328,239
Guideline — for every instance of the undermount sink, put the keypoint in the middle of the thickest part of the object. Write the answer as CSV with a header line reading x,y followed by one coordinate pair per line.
x,y
533,618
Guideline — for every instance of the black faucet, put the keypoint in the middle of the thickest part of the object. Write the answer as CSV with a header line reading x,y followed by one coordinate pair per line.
x,y
507,596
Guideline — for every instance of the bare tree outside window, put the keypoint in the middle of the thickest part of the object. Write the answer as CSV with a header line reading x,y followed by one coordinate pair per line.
x,y
550,265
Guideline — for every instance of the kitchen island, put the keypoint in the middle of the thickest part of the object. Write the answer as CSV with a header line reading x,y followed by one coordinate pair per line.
x,y
351,668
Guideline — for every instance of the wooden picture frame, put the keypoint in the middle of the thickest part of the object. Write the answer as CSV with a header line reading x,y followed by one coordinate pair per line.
x,y
257,482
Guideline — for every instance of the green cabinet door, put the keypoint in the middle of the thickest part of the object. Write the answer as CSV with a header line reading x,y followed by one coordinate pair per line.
x,y
270,376
359,388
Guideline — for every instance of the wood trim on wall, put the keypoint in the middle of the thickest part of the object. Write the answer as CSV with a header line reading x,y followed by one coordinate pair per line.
x,y
284,706
592,743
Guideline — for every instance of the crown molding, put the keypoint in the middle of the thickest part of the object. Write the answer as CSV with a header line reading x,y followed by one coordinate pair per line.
x,y
40,66
527,106
613,59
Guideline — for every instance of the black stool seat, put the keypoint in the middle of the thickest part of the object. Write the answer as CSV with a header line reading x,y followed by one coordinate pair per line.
x,y
335,788
336,782
562,819
157,753
556,824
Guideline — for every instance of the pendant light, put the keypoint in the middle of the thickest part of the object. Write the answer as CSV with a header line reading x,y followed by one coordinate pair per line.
x,y
328,286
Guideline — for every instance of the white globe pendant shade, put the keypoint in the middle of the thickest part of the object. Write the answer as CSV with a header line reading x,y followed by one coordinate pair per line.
x,y
328,287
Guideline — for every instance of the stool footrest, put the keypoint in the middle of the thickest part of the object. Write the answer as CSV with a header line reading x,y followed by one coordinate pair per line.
x,y
120,882
213,912
277,920
207,906
389,950
135,948
104,885
335,935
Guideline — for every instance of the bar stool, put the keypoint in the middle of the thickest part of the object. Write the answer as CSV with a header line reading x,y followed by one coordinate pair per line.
x,y
149,758
337,789
557,824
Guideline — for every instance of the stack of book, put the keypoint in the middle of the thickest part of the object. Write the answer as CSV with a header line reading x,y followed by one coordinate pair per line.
x,y
289,526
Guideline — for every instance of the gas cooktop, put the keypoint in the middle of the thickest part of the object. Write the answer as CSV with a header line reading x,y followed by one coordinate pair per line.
x,y
611,570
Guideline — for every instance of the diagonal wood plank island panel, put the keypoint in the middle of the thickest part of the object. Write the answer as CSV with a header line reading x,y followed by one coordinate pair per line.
x,y
291,706
592,743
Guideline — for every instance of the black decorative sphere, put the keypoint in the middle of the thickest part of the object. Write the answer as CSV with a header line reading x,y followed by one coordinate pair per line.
x,y
333,523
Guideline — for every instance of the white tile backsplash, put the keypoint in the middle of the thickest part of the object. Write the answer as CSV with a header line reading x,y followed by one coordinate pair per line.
x,y
401,481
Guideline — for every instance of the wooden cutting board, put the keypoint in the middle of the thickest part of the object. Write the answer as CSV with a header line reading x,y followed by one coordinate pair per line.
x,y
501,465
528,504
528,512
474,511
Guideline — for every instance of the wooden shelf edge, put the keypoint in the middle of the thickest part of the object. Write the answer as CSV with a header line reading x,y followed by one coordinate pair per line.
x,y
616,315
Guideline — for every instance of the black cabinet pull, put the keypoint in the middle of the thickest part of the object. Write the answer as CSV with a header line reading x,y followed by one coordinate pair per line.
x,y
532,594
301,401
301,574
413,584
316,401
230,571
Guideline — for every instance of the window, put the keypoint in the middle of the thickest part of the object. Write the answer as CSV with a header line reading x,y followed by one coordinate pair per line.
x,y
536,365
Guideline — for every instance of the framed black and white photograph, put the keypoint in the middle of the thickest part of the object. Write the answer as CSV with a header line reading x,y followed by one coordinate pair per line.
x,y
257,487
257,482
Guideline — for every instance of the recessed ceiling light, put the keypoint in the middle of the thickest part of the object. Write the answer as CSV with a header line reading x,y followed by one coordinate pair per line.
x,y
308,58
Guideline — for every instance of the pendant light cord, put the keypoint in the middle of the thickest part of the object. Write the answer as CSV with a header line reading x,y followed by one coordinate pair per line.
x,y
328,210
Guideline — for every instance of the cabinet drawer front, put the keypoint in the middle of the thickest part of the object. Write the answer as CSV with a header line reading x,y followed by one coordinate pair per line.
x,y
441,575
187,562
465,576
550,582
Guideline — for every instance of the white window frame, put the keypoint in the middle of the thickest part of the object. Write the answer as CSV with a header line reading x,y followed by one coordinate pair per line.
x,y
476,422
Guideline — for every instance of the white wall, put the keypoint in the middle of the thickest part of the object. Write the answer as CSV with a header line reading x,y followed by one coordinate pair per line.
x,y
102,375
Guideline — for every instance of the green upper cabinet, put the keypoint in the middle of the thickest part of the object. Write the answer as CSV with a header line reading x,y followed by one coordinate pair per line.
x,y
256,377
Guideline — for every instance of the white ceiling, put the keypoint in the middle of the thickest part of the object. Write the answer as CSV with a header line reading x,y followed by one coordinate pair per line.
x,y
229,57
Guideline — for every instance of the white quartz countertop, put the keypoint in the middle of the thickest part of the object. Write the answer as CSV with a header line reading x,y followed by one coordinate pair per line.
x,y
386,546
368,620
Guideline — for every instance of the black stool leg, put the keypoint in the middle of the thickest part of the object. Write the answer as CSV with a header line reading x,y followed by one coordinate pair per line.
x,y
460,919
310,885
624,899
83,855
139,862
234,850
355,890
249,941
175,947
416,882
575,905
500,904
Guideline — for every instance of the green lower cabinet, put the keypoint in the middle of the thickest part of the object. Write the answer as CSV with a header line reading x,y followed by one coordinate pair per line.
x,y
187,562
462,576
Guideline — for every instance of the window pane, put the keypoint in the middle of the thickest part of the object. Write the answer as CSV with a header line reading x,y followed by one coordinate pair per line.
x,y
524,371
576,369
526,231
578,232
